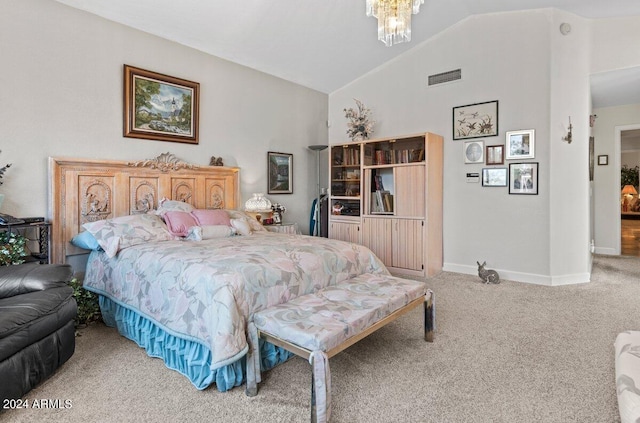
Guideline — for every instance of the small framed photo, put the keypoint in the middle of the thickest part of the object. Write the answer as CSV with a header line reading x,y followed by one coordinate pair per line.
x,y
473,152
475,120
280,167
160,107
521,145
494,177
603,160
523,178
495,154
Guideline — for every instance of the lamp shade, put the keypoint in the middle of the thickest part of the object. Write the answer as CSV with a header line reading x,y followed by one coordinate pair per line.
x,y
258,203
629,189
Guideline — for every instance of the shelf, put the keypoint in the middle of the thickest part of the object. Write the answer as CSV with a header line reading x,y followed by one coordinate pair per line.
x,y
345,180
383,166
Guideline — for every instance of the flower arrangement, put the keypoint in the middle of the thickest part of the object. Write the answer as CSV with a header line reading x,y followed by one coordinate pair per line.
x,y
12,248
278,209
359,126
3,170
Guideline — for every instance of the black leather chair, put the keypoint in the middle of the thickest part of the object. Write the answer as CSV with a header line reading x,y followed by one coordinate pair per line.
x,y
37,330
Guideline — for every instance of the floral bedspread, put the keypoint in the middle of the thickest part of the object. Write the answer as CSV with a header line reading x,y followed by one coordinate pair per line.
x,y
206,290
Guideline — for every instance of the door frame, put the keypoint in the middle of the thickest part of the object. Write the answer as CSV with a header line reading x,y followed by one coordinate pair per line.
x,y
617,160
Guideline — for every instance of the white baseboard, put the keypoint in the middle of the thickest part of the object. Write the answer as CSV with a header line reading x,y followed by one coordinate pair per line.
x,y
606,251
523,277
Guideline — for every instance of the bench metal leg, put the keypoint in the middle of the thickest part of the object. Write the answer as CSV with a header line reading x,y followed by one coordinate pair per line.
x,y
320,387
429,316
253,362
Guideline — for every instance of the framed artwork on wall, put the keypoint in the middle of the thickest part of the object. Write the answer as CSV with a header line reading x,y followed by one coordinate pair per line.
x,y
475,120
603,160
473,152
523,178
280,168
494,177
160,107
495,154
521,144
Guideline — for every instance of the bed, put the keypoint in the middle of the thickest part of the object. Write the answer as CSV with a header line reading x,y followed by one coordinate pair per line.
x,y
187,301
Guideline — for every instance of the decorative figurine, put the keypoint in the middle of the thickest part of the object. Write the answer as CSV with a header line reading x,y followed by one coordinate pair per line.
x,y
487,275
216,161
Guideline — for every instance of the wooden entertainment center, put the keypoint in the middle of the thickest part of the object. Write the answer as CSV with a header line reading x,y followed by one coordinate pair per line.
x,y
386,194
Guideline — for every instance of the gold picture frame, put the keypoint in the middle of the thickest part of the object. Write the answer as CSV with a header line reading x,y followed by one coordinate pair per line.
x,y
160,107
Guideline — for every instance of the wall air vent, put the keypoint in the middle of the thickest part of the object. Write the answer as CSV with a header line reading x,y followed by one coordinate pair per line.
x,y
441,78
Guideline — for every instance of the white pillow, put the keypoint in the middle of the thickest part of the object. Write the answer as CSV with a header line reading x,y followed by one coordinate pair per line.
x,y
166,205
125,231
198,233
241,226
254,225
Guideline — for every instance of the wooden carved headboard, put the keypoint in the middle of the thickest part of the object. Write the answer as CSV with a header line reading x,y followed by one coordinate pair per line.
x,y
84,191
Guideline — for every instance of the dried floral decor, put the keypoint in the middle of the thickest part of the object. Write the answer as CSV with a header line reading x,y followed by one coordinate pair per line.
x,y
359,126
3,169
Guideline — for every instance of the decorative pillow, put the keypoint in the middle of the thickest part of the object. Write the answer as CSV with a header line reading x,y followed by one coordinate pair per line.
x,y
198,233
179,222
86,240
241,226
166,205
253,222
206,217
121,232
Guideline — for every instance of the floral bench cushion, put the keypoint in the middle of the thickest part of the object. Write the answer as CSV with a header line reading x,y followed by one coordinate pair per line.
x,y
324,320
322,324
627,347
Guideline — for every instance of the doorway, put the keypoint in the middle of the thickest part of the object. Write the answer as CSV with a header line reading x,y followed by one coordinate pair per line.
x,y
629,142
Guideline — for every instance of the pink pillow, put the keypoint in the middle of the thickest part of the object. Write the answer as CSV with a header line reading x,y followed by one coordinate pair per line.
x,y
179,222
206,217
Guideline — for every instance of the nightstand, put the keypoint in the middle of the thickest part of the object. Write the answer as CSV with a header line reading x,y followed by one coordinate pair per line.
x,y
36,232
283,228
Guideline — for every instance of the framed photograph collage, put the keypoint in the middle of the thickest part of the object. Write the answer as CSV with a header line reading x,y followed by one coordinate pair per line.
x,y
480,120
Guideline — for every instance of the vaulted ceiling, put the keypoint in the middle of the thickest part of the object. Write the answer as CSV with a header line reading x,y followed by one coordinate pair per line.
x,y
321,44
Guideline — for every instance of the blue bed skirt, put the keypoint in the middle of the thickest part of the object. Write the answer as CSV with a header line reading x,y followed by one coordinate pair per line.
x,y
189,358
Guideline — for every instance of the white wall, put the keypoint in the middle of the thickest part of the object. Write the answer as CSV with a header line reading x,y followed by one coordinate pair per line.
x,y
519,59
568,166
630,159
61,79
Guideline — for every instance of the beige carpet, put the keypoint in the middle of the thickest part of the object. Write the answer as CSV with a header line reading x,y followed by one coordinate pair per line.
x,y
512,352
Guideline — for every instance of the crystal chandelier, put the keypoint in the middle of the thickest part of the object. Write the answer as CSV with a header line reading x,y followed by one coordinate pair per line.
x,y
394,19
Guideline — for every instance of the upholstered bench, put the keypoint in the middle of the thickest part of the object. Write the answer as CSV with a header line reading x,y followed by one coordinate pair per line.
x,y
627,347
318,326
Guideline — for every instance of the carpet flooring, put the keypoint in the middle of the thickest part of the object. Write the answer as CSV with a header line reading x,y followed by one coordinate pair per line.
x,y
512,352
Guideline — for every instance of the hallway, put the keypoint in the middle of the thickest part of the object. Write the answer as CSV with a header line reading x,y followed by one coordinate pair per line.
x,y
630,243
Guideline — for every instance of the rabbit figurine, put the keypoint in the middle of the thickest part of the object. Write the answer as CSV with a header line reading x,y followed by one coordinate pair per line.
x,y
487,275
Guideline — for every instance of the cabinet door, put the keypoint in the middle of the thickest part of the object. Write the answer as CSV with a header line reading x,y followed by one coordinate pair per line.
x,y
407,245
410,192
349,232
376,235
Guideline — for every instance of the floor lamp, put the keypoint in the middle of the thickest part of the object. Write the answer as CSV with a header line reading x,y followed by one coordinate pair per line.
x,y
317,214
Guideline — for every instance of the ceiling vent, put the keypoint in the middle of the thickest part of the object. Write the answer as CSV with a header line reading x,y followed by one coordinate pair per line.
x,y
444,77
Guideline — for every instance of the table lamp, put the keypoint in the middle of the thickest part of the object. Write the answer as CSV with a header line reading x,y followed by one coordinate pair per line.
x,y
627,191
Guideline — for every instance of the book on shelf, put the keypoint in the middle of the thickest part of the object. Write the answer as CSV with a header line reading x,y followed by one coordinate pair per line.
x,y
378,181
388,202
381,202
